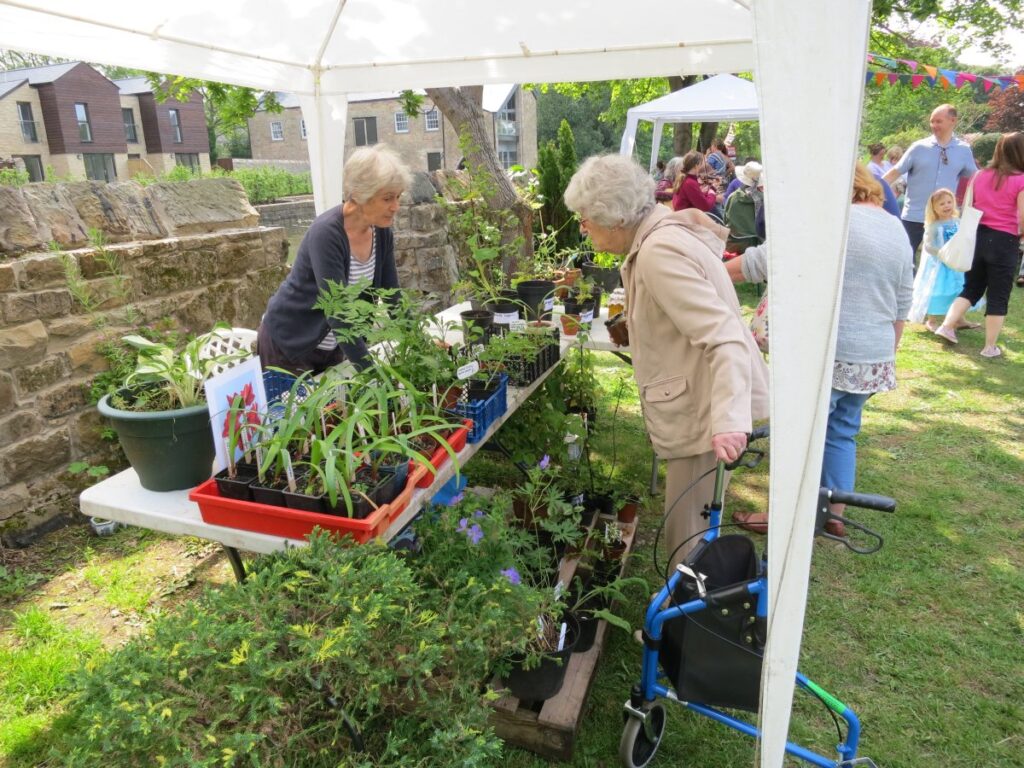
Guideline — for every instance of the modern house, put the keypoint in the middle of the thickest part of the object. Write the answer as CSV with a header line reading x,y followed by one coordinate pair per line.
x,y
69,121
426,142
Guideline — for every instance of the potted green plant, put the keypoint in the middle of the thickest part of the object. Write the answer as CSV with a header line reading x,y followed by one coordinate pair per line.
x,y
591,601
160,413
603,269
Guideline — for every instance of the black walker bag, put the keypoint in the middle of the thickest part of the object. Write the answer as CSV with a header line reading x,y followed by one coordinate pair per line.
x,y
714,656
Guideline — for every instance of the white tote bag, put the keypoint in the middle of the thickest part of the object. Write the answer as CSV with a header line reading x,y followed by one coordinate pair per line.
x,y
958,252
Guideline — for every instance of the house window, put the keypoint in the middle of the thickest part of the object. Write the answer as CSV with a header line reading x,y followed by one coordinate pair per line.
x,y
28,123
401,122
84,129
131,135
277,131
432,119
99,167
508,158
433,161
302,128
34,166
366,131
189,159
508,112
175,125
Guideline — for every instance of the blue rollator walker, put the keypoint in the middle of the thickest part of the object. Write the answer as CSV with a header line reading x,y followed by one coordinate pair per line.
x,y
704,633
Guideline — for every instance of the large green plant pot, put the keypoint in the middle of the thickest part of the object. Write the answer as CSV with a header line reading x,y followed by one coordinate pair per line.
x,y
607,277
169,450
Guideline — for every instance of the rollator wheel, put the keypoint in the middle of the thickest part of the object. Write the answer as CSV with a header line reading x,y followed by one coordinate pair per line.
x,y
636,749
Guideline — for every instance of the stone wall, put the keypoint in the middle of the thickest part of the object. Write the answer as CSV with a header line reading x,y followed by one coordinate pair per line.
x,y
294,215
187,258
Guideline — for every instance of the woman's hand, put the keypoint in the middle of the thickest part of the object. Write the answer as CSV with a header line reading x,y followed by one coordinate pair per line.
x,y
728,446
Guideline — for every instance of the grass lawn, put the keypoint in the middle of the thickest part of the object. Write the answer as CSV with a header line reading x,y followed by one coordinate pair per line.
x,y
924,639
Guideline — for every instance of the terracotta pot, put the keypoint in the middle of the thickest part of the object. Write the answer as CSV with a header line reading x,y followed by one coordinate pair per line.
x,y
628,512
570,324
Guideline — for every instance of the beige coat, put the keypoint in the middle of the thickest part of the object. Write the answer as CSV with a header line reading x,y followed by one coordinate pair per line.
x,y
696,365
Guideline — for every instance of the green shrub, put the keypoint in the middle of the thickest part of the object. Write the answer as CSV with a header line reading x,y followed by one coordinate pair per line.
x,y
318,641
12,177
266,184
984,147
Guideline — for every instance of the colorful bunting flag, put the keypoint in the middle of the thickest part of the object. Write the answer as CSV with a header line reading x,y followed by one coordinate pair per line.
x,y
944,78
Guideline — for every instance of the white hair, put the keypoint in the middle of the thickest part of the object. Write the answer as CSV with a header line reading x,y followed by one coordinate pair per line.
x,y
672,168
611,190
371,169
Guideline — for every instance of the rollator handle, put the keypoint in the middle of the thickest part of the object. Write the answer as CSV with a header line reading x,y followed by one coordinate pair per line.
x,y
862,500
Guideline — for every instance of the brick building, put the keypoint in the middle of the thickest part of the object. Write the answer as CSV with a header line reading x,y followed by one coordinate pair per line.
x,y
425,143
69,121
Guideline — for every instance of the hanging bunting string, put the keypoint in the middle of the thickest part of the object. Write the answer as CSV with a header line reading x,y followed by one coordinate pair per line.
x,y
935,76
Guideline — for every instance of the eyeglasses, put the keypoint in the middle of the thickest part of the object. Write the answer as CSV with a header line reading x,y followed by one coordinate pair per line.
x,y
943,156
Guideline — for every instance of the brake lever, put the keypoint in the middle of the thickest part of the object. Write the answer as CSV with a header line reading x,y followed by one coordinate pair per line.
x,y
845,540
755,455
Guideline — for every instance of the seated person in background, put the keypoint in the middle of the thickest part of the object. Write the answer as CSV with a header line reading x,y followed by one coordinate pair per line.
x,y
693,188
742,208
347,243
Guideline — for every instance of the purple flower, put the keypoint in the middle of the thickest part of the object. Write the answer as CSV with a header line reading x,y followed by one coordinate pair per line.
x,y
474,533
512,575
479,513
455,500
544,462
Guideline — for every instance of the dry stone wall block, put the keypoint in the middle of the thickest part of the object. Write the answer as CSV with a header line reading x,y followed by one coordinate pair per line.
x,y
55,216
19,426
63,399
8,279
24,307
8,395
32,378
203,205
22,345
121,209
29,457
18,230
14,499
42,271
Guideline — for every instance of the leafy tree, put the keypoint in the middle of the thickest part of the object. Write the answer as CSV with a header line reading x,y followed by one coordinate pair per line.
x,y
228,107
1007,110
961,21
556,164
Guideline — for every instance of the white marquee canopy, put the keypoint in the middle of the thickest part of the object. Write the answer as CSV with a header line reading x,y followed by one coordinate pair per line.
x,y
717,99
322,50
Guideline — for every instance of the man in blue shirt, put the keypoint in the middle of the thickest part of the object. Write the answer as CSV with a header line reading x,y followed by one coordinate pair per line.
x,y
933,163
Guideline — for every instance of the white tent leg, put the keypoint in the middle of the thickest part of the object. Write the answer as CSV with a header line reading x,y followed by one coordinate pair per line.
x,y
628,136
795,42
326,119
656,143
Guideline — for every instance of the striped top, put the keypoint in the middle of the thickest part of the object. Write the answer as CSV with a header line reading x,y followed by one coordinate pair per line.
x,y
358,270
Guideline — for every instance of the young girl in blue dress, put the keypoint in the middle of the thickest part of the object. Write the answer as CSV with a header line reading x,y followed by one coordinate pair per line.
x,y
936,285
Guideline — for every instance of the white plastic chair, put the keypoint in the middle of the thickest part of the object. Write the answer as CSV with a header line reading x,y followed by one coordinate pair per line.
x,y
229,342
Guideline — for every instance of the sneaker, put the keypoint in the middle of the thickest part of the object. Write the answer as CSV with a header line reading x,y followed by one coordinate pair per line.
x,y
947,334
1020,281
991,352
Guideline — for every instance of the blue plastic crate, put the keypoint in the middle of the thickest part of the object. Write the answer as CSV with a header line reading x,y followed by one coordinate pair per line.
x,y
277,385
449,491
485,412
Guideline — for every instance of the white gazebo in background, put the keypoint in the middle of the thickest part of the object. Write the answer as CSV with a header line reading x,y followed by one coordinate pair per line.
x,y
808,59
717,99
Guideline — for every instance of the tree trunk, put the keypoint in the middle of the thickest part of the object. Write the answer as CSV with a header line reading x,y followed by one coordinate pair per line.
x,y
707,135
462,108
682,133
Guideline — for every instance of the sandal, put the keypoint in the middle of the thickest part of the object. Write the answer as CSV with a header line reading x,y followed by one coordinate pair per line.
x,y
752,521
945,333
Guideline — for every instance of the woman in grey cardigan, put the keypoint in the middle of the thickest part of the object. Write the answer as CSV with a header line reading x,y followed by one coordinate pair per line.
x,y
878,285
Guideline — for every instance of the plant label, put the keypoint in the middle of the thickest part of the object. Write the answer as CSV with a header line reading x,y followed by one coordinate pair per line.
x,y
517,325
289,471
587,317
504,318
467,370
559,589
549,303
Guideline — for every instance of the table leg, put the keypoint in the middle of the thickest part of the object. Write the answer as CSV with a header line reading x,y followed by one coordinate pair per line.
x,y
236,562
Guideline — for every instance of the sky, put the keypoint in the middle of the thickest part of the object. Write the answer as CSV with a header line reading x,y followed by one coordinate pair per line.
x,y
1016,60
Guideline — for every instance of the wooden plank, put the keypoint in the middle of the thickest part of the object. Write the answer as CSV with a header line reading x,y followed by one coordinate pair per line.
x,y
552,732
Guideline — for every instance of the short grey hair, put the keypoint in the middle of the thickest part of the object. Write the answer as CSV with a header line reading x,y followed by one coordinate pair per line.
x,y
673,167
611,190
371,169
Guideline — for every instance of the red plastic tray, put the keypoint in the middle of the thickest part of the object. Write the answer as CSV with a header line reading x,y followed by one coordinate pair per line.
x,y
295,523
457,440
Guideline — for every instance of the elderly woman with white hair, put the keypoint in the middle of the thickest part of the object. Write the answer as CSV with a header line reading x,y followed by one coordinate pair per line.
x,y
701,378
345,244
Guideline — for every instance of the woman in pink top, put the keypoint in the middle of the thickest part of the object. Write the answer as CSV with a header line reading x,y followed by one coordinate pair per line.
x,y
999,195
689,192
